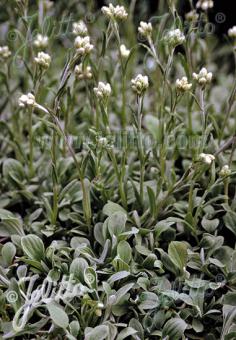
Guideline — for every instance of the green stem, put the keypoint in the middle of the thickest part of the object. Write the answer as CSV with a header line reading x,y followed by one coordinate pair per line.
x,y
54,179
140,148
204,120
31,145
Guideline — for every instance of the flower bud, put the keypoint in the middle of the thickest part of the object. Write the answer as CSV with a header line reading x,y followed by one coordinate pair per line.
x,y
203,77
225,171
232,32
43,60
206,158
41,41
79,28
182,84
145,29
192,16
175,37
103,91
124,51
205,4
115,13
102,142
26,100
83,73
82,45
140,84
5,53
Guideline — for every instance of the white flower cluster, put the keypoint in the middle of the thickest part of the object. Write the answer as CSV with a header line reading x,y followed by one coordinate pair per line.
x,y
5,53
79,28
102,91
41,41
203,77
26,100
206,158
140,84
83,73
124,51
225,171
145,29
102,141
192,16
82,40
43,60
175,37
115,12
205,4
82,45
182,84
232,32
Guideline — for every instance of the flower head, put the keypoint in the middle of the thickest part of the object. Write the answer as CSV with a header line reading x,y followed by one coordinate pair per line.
x,y
124,51
82,44
5,53
102,141
102,91
41,41
26,100
175,37
205,4
79,28
225,171
115,12
43,60
192,15
206,158
145,29
140,84
203,77
83,73
232,32
182,84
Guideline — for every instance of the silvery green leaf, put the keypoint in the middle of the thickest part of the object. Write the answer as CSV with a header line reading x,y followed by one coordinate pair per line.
x,y
33,247
98,333
8,253
148,300
57,314
174,328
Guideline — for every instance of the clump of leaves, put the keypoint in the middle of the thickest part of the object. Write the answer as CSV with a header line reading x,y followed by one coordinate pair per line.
x,y
117,165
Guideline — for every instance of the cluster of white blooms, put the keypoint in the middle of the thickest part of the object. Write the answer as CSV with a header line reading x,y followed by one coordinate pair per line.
x,y
205,4
102,141
145,29
4,52
26,100
182,84
83,73
124,51
203,77
225,171
103,91
232,32
41,41
175,37
82,45
79,28
115,12
192,16
140,84
43,60
206,158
